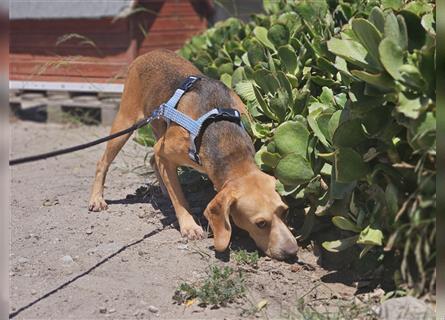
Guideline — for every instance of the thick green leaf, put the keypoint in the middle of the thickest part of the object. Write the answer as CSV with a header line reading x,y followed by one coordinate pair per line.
x,y
279,104
395,29
263,106
381,81
311,10
284,82
377,18
288,58
409,107
333,124
285,190
245,90
351,51
270,159
271,6
225,68
319,123
226,79
429,23
422,134
255,54
260,131
411,77
345,224
419,8
340,245
339,190
369,37
259,161
391,56
308,224
327,96
238,76
392,4
266,81
292,137
349,134
279,35
349,165
371,236
293,170
261,34
391,197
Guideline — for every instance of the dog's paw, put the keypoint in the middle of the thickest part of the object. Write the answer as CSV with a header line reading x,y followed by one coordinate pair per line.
x,y
97,204
192,231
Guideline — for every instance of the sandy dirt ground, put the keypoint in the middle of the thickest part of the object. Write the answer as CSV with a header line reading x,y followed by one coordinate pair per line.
x,y
126,262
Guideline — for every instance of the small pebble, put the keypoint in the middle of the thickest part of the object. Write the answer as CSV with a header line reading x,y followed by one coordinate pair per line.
x,y
67,259
123,259
23,260
33,292
112,310
153,309
295,268
89,231
141,215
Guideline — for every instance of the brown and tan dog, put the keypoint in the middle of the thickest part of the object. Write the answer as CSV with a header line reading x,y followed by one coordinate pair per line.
x,y
227,155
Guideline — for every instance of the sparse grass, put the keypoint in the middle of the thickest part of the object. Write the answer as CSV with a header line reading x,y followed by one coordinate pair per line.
x,y
223,285
244,257
331,310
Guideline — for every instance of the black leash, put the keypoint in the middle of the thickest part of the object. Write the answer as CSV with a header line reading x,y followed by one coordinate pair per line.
x,y
134,127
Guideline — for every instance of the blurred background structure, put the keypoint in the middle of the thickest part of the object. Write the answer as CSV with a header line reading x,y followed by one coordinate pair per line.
x,y
95,41
70,56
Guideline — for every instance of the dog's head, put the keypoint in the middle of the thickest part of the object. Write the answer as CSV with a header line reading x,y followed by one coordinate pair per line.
x,y
256,207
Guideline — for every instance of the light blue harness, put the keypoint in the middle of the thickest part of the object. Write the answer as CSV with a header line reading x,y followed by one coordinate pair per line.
x,y
168,112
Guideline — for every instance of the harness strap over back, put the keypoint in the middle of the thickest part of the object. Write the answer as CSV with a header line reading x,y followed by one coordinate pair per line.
x,y
194,127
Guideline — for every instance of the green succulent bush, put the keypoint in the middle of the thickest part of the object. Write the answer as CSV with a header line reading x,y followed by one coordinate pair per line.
x,y
342,94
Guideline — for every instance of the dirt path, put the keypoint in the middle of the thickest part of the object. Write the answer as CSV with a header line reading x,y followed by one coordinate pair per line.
x,y
69,263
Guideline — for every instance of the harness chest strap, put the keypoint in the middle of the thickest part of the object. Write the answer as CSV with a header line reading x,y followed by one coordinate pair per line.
x,y
169,113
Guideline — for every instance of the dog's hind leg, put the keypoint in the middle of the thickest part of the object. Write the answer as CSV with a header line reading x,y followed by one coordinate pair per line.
x,y
130,112
97,202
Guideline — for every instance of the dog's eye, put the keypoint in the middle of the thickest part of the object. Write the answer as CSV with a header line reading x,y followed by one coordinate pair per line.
x,y
261,224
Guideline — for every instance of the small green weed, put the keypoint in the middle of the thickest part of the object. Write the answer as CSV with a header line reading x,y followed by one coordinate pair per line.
x,y
223,285
246,258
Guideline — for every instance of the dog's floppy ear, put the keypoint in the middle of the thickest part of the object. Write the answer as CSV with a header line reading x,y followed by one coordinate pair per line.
x,y
217,212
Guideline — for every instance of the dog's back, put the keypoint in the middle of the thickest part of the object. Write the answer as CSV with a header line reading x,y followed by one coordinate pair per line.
x,y
161,72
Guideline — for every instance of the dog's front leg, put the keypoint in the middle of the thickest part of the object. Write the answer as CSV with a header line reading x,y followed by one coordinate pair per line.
x,y
167,171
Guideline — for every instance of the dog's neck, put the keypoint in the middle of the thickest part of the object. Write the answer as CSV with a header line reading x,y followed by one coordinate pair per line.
x,y
234,172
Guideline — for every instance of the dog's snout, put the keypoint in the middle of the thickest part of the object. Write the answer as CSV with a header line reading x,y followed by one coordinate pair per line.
x,y
290,249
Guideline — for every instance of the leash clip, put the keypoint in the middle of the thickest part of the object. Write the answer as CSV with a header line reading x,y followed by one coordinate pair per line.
x,y
158,112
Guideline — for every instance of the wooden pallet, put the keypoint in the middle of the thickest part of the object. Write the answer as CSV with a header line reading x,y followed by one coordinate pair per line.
x,y
62,107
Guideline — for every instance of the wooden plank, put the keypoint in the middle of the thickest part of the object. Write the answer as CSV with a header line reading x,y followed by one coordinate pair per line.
x,y
118,59
64,87
67,78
